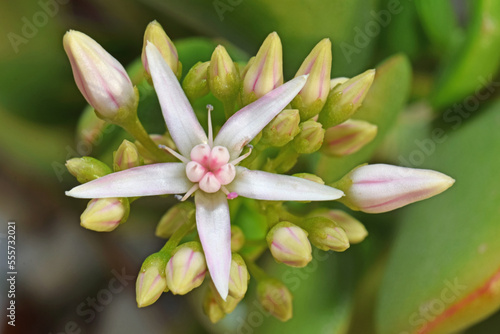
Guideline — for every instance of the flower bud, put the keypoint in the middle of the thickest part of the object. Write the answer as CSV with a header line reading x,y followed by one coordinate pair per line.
x,y
86,169
195,83
176,216
326,234
158,140
310,137
151,283
212,308
337,81
345,99
275,298
288,244
157,36
227,306
348,137
318,64
244,70
282,129
355,230
102,80
265,73
237,238
105,214
186,268
381,188
223,77
238,277
127,156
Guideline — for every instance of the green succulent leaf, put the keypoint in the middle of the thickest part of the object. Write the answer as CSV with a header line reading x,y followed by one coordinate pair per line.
x,y
444,270
476,60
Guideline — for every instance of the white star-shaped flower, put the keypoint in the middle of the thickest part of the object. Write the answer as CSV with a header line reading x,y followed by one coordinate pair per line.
x,y
208,166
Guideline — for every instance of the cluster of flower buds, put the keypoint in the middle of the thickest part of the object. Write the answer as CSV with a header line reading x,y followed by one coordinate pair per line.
x,y
281,120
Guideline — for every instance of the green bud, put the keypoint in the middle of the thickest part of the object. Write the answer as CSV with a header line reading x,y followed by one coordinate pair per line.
x,y
265,72
223,77
195,83
282,129
238,277
212,308
227,306
275,298
174,218
326,235
156,35
288,244
310,137
244,69
237,238
345,99
318,64
186,268
355,230
337,81
86,169
127,156
348,138
105,214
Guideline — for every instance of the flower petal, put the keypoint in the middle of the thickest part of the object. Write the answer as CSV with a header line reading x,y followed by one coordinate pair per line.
x,y
156,179
274,187
244,125
181,121
214,229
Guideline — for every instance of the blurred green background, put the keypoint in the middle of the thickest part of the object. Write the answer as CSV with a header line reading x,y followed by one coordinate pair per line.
x,y
434,100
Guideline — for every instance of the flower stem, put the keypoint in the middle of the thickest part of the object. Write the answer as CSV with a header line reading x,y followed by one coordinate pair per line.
x,y
136,129
178,235
229,107
255,270
283,162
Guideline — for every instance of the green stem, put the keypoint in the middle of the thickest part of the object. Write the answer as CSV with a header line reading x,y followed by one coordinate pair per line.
x,y
255,270
283,162
229,107
136,129
178,235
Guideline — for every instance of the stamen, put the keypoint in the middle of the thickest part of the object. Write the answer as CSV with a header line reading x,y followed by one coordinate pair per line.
x,y
210,131
175,154
230,195
243,157
190,192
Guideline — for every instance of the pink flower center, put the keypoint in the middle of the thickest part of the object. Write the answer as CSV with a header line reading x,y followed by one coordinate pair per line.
x,y
210,167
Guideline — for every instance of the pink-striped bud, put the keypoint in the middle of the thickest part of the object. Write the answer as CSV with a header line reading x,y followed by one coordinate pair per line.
x,y
105,214
348,137
102,80
156,35
318,65
186,268
326,235
150,285
355,230
212,308
345,99
174,218
237,238
275,298
288,244
381,188
238,277
265,72
126,156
